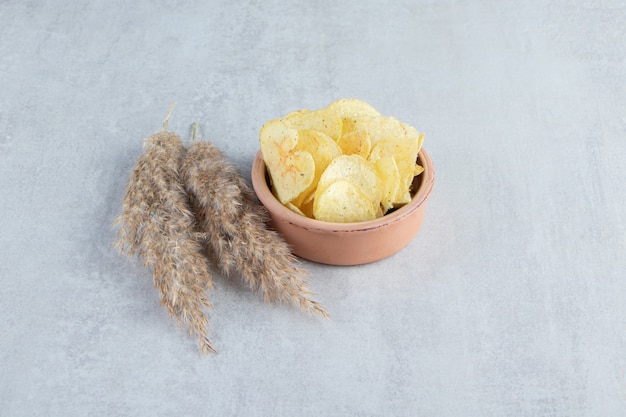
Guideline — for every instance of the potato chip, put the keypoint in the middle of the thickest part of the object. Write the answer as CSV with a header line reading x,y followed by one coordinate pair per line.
x,y
415,138
420,142
357,142
378,127
343,202
418,170
350,107
323,120
294,208
296,113
405,155
323,150
387,170
291,171
307,207
354,169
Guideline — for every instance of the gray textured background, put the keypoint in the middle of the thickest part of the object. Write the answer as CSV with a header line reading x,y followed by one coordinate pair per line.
x,y
509,302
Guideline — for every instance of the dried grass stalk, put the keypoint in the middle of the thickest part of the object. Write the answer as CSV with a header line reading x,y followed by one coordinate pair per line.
x,y
157,224
236,229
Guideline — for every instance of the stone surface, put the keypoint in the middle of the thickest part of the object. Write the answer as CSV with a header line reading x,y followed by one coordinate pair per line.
x,y
509,302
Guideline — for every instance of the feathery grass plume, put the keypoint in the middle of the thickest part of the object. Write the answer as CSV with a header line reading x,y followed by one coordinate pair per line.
x,y
157,224
237,236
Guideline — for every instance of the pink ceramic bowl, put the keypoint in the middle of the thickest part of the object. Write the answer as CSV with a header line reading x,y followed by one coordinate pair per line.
x,y
347,243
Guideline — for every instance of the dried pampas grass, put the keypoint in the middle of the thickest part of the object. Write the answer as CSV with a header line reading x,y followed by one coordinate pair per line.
x,y
179,206
236,229
157,224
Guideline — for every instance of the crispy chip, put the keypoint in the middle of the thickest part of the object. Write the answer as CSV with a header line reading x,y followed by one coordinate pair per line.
x,y
418,170
294,208
378,127
291,171
356,170
357,142
350,107
323,150
343,202
387,170
323,120
405,155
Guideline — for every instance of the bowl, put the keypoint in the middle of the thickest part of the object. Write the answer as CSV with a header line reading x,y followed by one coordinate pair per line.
x,y
347,243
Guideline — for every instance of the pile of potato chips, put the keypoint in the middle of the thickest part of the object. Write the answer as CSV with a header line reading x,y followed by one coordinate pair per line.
x,y
344,163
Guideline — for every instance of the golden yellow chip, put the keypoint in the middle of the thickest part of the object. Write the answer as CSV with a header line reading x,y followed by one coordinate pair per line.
x,y
405,154
323,120
354,169
418,170
323,150
291,171
350,107
307,207
296,113
356,142
294,208
387,170
343,202
378,127
420,141
320,144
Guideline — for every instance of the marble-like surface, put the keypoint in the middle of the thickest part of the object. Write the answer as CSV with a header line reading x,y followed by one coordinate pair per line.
x,y
511,301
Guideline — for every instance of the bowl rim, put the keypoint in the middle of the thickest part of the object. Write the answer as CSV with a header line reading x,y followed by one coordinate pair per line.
x,y
276,208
